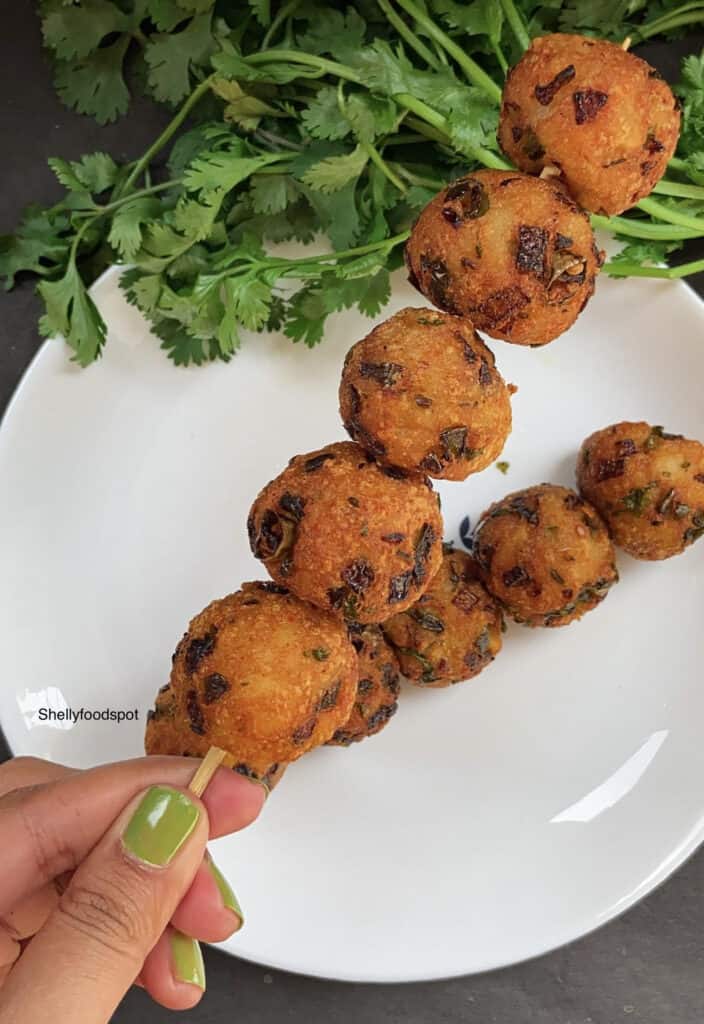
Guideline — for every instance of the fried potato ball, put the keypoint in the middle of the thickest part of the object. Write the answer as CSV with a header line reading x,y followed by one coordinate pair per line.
x,y
601,116
648,485
546,555
513,253
377,690
261,674
166,733
453,631
422,391
348,534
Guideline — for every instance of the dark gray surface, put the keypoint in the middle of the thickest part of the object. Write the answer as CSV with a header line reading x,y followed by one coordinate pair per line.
x,y
645,968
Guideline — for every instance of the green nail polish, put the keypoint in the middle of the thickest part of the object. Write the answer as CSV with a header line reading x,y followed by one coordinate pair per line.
x,y
187,959
160,826
226,892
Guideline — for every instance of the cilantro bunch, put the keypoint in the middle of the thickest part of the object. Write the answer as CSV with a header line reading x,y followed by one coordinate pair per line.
x,y
299,121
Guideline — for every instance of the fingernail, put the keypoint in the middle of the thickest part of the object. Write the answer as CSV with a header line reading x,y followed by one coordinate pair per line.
x,y
227,894
160,826
187,959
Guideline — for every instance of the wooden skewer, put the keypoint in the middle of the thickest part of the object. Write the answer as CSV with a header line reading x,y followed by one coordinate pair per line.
x,y
209,765
625,45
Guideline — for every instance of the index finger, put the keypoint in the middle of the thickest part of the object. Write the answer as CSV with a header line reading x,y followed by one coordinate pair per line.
x,y
52,827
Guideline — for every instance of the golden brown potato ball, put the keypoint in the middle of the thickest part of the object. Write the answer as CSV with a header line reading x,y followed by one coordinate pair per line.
x,y
377,690
513,253
453,631
260,674
546,555
167,733
601,116
348,534
648,485
422,392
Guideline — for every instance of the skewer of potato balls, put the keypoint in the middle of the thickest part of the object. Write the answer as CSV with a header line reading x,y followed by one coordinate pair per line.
x,y
351,534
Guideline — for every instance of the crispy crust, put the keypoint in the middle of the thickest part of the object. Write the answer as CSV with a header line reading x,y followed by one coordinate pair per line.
x,y
545,554
453,632
648,485
513,253
261,674
348,534
377,690
610,124
426,388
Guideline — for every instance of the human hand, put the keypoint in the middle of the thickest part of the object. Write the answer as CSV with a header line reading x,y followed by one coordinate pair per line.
x,y
106,882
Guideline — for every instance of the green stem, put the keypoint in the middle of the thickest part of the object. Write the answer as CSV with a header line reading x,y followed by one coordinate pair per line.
x,y
434,134
139,37
438,122
677,163
474,73
684,15
172,127
503,63
151,191
377,159
675,188
409,35
430,116
73,252
343,254
329,67
404,139
418,179
631,228
661,212
282,15
516,22
627,269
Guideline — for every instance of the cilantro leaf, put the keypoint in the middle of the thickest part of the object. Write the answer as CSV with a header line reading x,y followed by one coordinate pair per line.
x,y
261,10
142,290
223,169
171,58
94,84
166,14
75,31
481,17
71,312
125,234
182,348
241,108
322,116
93,173
271,193
475,124
370,116
645,252
373,292
305,316
39,245
250,299
600,17
333,32
338,214
334,172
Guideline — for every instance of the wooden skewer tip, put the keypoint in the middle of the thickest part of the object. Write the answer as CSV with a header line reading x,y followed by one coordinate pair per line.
x,y
207,768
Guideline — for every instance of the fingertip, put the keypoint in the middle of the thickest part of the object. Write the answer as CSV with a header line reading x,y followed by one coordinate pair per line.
x,y
173,974
233,802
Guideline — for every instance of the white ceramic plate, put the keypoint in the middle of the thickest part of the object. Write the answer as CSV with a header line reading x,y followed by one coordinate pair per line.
x,y
491,821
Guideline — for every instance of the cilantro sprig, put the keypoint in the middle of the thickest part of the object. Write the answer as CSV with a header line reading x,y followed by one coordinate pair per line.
x,y
306,122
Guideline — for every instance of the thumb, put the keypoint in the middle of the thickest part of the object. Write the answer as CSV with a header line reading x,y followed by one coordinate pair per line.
x,y
120,899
